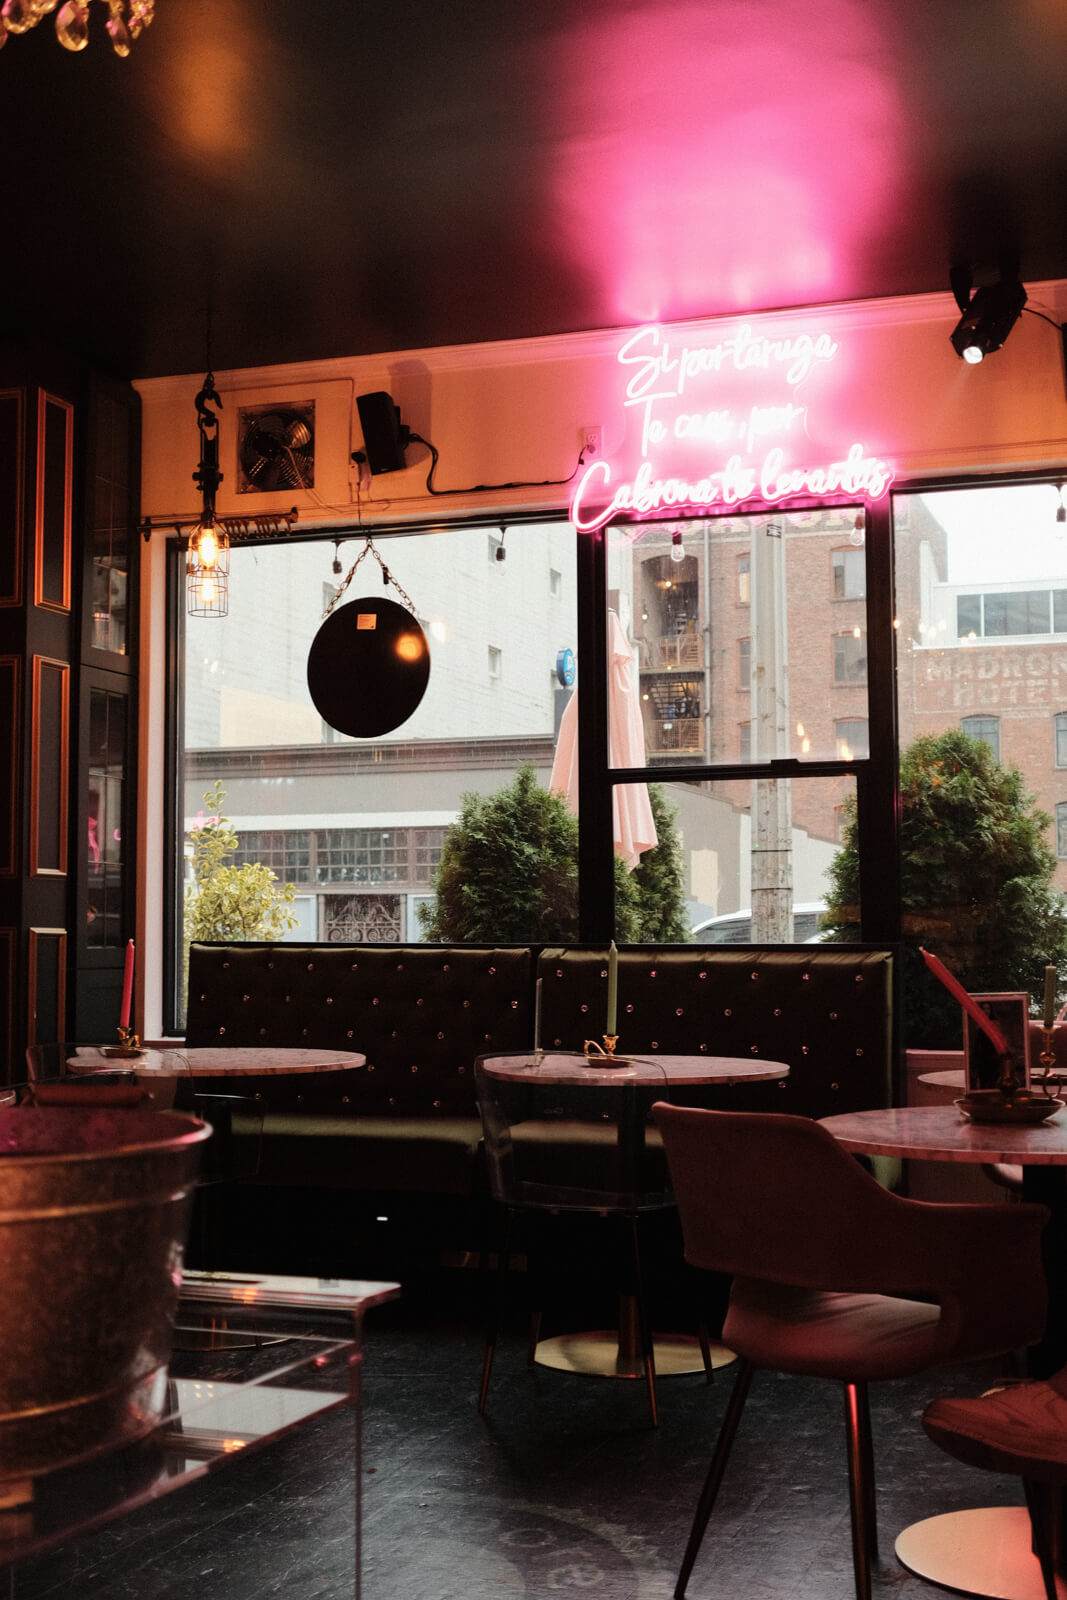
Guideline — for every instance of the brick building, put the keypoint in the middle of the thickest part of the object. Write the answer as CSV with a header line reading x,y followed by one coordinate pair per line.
x,y
990,658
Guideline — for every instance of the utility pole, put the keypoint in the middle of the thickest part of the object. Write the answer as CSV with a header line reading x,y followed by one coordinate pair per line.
x,y
771,806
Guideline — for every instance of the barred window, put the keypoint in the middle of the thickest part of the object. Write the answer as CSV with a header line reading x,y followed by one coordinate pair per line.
x,y
346,855
429,842
287,853
361,855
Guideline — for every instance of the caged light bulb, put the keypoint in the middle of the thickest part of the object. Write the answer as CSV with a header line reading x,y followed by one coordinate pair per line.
x,y
207,545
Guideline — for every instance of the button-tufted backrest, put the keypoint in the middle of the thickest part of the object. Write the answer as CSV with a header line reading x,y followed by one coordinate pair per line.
x,y
825,1011
419,1013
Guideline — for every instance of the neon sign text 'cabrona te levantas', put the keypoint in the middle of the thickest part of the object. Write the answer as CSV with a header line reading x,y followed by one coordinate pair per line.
x,y
660,377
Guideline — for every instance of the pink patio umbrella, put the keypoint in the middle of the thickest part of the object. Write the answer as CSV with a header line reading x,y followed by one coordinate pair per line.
x,y
633,827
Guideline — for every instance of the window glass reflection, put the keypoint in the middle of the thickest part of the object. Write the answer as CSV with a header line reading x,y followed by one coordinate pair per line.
x,y
356,828
730,896
981,646
106,796
750,633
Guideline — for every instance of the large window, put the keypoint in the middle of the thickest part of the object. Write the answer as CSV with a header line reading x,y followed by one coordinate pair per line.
x,y
731,616
356,826
982,631
746,653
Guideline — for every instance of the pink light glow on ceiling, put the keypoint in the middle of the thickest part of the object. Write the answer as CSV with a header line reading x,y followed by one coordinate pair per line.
x,y
751,152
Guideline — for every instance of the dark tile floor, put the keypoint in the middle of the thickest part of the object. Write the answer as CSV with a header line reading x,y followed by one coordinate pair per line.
x,y
563,1488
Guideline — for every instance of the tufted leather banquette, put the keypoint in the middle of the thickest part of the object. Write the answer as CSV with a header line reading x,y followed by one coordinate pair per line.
x,y
826,1011
421,1014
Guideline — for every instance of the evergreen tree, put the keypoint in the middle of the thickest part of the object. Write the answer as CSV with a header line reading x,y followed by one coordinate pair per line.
x,y
509,873
976,882
662,917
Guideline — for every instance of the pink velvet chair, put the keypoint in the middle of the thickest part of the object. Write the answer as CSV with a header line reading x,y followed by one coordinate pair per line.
x,y
835,1277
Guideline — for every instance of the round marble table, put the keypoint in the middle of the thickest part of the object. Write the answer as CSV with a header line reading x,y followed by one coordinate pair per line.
x,y
617,1353
985,1551
943,1133
572,1067
213,1061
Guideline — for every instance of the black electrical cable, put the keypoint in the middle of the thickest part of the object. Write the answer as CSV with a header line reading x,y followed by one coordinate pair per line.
x,y
1057,325
481,488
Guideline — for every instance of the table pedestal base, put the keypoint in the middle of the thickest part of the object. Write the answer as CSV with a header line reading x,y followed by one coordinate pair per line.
x,y
601,1354
986,1551
616,1353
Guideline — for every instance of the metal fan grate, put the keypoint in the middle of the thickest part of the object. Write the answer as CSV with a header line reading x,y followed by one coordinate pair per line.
x,y
276,448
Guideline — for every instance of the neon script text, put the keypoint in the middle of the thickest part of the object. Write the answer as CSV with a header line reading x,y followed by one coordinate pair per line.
x,y
659,375
773,480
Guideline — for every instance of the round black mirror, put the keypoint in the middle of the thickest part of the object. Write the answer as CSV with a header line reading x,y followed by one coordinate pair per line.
x,y
368,667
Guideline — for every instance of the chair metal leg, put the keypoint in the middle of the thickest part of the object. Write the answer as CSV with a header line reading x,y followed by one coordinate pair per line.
x,y
708,1494
867,1446
705,1351
860,1486
533,1337
1043,1502
492,1327
644,1326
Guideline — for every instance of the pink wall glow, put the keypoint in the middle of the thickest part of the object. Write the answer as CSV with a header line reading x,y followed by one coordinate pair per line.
x,y
751,149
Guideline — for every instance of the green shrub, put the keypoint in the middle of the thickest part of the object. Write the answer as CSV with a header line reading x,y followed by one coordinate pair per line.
x,y
224,902
976,882
508,874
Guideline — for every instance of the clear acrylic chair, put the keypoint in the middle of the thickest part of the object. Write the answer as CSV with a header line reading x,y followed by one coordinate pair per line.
x,y
563,1135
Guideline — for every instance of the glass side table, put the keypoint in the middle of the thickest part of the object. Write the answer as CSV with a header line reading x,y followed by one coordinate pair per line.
x,y
300,1356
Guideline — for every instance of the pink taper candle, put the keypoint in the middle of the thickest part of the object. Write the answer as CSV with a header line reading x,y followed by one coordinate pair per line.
x,y
969,1004
127,987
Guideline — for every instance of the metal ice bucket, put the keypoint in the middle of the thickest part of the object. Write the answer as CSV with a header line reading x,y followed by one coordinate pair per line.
x,y
94,1212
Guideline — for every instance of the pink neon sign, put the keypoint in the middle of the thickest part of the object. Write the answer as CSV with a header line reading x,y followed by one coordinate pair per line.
x,y
669,388
857,474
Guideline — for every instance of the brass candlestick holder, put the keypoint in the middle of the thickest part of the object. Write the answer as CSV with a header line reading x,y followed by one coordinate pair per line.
x,y
603,1055
129,1045
1047,1058
1011,1100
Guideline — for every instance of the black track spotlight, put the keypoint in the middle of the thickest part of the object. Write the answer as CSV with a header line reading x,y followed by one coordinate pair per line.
x,y
989,314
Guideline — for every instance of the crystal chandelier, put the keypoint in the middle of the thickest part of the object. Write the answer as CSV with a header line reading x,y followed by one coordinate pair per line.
x,y
127,19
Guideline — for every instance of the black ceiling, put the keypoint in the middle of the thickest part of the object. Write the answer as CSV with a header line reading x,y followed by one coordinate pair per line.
x,y
339,177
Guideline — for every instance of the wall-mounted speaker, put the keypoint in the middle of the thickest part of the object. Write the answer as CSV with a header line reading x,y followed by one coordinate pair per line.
x,y
385,437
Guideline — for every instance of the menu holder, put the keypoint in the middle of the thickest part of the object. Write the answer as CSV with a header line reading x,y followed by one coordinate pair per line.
x,y
1006,1098
1010,1012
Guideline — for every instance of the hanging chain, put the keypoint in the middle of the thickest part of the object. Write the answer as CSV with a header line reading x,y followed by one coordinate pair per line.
x,y
387,578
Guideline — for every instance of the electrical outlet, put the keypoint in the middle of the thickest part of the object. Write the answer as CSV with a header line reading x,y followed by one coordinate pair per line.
x,y
592,440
